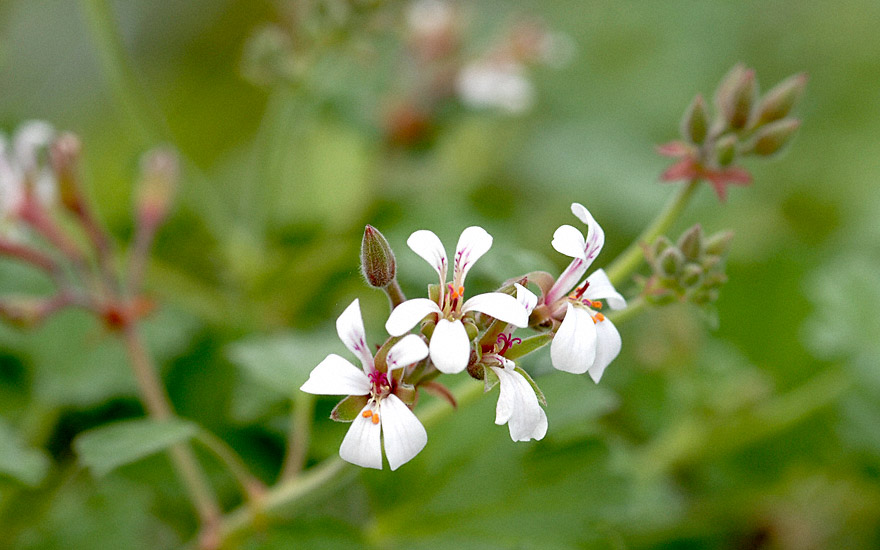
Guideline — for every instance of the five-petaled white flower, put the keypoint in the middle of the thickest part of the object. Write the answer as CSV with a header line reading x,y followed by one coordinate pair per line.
x,y
586,340
384,413
20,166
450,344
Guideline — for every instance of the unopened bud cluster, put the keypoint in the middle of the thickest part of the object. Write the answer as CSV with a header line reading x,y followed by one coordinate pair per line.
x,y
691,270
744,124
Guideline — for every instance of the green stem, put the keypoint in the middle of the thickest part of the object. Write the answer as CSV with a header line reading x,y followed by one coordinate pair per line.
x,y
633,308
252,487
299,435
159,407
395,294
629,260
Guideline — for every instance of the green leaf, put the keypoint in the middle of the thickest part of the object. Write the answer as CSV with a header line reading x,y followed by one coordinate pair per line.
x,y
25,464
108,447
282,363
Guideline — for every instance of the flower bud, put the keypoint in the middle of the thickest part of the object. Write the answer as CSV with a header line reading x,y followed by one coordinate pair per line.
x,y
691,276
377,259
778,102
718,243
691,242
725,150
660,244
772,137
64,155
736,96
670,261
695,123
156,189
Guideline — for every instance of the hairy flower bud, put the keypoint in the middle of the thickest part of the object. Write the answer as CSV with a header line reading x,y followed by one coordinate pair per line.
x,y
670,261
695,123
736,96
377,259
159,174
718,243
772,137
691,276
778,102
64,155
691,242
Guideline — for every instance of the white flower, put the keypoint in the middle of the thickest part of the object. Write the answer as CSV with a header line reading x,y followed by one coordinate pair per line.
x,y
517,403
495,84
20,166
586,341
450,345
384,414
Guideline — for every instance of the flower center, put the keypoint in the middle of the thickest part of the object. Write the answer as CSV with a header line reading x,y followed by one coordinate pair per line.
x,y
453,298
578,300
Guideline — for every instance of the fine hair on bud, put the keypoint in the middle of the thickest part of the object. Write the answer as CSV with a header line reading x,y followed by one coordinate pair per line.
x,y
378,264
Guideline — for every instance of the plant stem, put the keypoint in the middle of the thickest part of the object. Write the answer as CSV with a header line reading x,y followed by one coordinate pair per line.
x,y
629,260
298,436
159,407
395,294
252,487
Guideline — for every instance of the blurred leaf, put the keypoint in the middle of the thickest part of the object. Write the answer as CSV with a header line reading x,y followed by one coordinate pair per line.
x,y
282,362
25,464
108,447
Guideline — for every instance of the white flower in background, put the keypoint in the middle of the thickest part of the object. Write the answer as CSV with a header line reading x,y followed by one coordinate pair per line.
x,y
430,18
384,417
450,345
517,403
21,165
586,341
488,84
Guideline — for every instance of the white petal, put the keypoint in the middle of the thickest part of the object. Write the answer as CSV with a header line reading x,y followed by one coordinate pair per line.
x,y
336,376
350,327
566,281
595,234
406,352
450,346
601,289
402,432
518,406
408,314
526,297
427,245
30,138
573,349
499,305
362,444
570,241
473,243
607,347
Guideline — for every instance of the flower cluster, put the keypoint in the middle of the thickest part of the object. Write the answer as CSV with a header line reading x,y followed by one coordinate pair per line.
x,y
474,334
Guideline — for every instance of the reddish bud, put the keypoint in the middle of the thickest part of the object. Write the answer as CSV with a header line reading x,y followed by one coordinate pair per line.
x,y
736,96
778,102
378,264
159,173
64,156
772,137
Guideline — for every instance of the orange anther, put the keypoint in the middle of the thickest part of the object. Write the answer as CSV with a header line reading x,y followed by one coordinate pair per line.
x,y
375,418
597,305
599,317
367,413
461,291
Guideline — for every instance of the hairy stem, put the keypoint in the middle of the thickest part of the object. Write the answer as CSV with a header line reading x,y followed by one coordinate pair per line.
x,y
299,435
629,260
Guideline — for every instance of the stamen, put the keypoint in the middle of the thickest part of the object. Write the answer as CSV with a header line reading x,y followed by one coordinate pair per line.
x,y
597,304
375,418
461,291
599,317
367,413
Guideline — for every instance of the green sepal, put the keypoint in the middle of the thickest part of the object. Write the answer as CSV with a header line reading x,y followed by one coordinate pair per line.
x,y
349,408
529,345
406,393
490,379
538,393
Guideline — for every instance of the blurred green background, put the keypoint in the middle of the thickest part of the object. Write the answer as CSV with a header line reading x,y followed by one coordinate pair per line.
x,y
760,433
